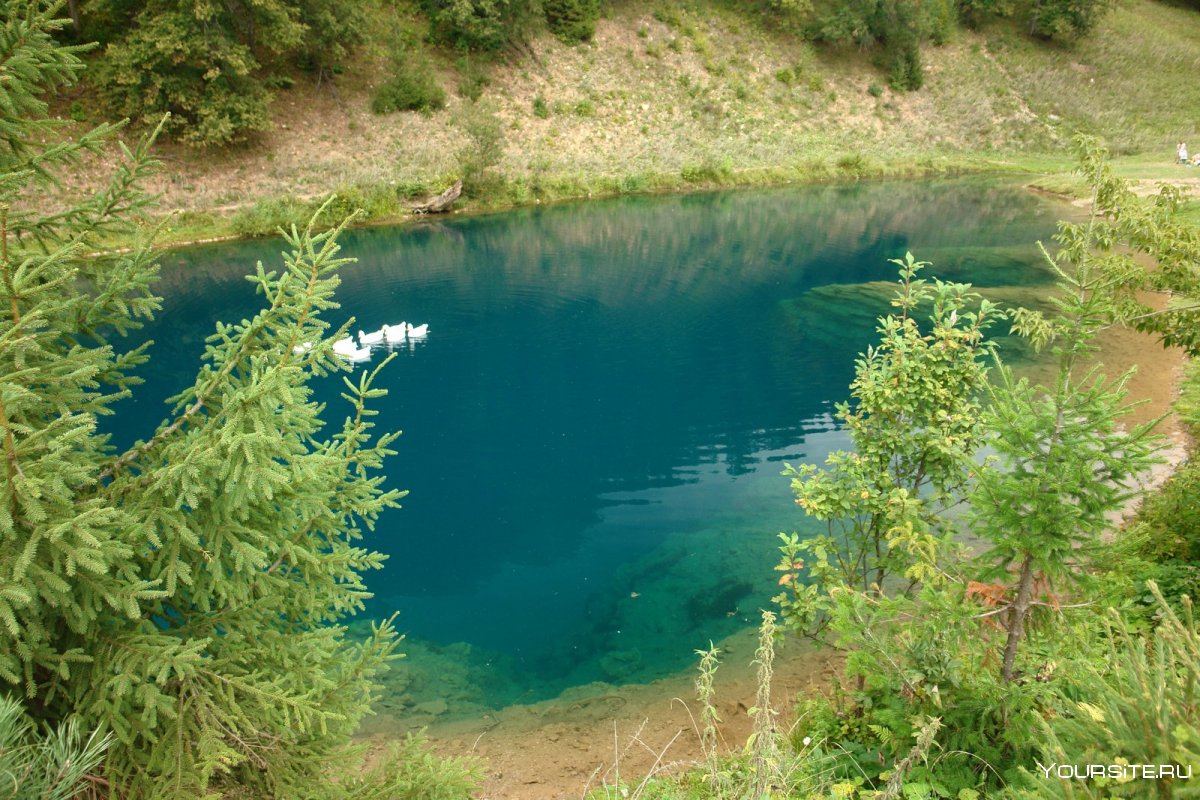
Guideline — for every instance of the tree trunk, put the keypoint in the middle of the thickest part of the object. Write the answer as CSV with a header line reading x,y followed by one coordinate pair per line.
x,y
1016,620
73,12
440,203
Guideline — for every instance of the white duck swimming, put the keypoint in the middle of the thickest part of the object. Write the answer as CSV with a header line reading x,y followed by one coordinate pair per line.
x,y
394,334
347,349
365,338
418,331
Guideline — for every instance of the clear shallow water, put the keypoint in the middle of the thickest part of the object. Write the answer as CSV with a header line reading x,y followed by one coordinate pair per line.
x,y
595,427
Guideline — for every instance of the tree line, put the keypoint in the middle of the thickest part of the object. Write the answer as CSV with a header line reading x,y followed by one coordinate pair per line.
x,y
215,66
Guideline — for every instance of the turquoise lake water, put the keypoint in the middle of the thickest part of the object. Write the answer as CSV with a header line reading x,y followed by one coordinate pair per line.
x,y
595,427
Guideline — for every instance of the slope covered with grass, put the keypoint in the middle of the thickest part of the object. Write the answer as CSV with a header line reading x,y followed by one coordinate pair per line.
x,y
690,93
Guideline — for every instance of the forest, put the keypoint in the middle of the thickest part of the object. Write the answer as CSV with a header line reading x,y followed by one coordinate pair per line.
x,y
174,615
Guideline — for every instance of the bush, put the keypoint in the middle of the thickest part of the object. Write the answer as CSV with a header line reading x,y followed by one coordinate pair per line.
x,y
409,89
479,25
484,148
573,21
212,67
905,73
163,65
1141,707
1066,20
472,78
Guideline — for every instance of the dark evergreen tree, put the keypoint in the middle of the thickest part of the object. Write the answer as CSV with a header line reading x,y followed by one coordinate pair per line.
x,y
572,20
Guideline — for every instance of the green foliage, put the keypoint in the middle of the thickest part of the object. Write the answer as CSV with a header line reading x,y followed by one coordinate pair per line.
x,y
1129,225
709,171
405,770
899,27
484,148
208,65
1163,541
473,79
170,62
981,644
914,425
53,766
480,25
185,594
573,21
332,30
411,88
1142,709
1066,20
974,12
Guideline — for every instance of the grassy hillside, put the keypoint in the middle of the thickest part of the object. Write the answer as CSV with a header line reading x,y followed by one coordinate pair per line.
x,y
690,93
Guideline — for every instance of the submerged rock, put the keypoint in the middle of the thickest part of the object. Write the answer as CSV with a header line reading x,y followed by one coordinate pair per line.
x,y
434,708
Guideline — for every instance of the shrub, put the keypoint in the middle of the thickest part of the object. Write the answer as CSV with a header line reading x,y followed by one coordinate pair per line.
x,y
1066,20
409,89
479,25
708,171
472,78
484,148
1141,707
573,21
210,65
164,65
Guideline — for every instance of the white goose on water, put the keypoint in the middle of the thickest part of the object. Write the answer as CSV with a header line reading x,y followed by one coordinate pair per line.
x,y
394,334
365,338
418,331
347,349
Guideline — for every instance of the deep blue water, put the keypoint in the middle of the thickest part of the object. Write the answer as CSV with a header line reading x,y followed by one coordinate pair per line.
x,y
595,426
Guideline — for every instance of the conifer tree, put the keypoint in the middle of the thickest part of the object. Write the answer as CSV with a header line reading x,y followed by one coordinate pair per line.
x,y
1065,460
186,594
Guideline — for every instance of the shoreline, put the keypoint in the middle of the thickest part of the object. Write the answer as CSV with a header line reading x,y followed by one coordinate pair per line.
x,y
198,227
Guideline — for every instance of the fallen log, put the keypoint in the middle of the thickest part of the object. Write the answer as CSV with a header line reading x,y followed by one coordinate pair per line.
x,y
442,202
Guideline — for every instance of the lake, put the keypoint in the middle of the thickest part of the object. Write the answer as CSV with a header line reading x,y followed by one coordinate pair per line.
x,y
594,428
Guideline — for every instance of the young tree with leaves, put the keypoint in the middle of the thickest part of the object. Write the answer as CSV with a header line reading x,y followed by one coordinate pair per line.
x,y
914,426
207,63
187,594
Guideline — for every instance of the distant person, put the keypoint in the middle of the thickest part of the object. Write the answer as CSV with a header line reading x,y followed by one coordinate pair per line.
x,y
1183,153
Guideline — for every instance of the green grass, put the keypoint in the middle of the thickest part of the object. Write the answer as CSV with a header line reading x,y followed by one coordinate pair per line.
x,y
778,110
385,204
1133,81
